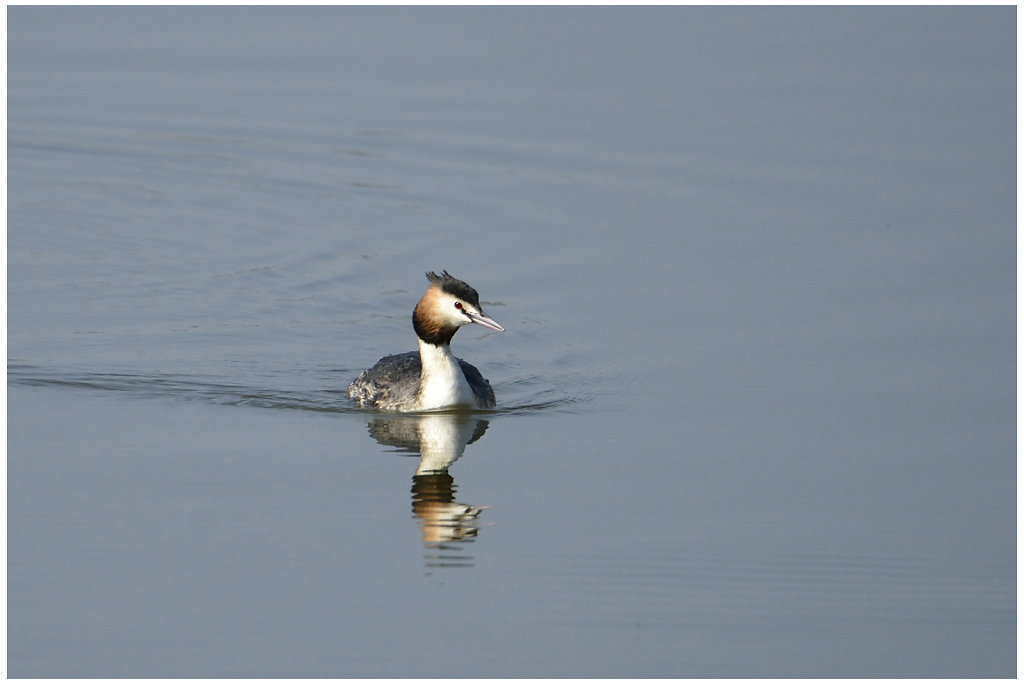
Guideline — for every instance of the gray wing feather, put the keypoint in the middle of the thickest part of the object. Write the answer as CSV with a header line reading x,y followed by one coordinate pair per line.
x,y
390,383
478,383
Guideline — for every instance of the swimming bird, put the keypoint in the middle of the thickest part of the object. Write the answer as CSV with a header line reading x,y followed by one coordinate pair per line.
x,y
431,378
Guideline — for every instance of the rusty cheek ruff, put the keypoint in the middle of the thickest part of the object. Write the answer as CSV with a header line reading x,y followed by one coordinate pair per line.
x,y
431,329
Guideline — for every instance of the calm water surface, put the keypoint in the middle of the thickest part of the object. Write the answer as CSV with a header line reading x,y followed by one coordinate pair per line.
x,y
756,395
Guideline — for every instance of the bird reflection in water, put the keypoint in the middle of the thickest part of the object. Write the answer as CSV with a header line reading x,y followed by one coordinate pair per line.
x,y
439,439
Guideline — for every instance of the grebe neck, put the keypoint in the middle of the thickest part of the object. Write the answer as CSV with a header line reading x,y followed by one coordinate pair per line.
x,y
442,382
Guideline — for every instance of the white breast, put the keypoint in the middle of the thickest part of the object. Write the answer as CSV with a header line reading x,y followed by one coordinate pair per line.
x,y
442,382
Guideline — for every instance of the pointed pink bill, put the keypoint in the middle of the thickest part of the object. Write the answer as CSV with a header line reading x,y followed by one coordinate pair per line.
x,y
485,321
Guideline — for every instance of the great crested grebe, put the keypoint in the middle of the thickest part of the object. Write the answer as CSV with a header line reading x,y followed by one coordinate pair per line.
x,y
431,378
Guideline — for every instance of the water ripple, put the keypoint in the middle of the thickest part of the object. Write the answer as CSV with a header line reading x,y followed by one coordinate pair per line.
x,y
215,390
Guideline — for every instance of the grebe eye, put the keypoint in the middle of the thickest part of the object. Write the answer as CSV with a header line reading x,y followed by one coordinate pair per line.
x,y
458,305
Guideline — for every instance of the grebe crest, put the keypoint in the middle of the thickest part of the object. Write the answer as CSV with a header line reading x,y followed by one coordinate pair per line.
x,y
432,378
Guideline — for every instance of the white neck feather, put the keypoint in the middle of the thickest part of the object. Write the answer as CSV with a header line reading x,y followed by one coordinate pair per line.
x,y
442,383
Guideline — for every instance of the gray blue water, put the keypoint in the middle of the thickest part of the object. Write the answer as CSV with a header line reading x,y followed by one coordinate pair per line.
x,y
756,394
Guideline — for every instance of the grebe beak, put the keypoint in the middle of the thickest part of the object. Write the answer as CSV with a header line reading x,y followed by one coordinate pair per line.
x,y
485,321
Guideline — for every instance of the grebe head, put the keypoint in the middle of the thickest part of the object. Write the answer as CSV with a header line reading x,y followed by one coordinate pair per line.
x,y
448,305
